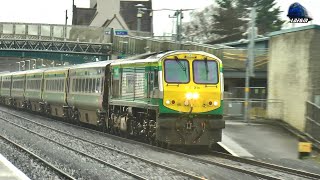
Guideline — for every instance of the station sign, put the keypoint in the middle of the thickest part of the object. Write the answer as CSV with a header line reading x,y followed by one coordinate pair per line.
x,y
120,32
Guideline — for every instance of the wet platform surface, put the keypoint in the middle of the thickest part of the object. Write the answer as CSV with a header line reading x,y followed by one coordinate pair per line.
x,y
266,142
259,140
9,172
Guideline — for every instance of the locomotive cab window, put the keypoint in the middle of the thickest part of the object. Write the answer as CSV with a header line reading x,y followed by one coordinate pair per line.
x,y
205,72
176,71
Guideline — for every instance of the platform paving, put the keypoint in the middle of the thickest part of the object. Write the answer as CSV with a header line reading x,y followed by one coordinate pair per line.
x,y
266,142
260,140
9,172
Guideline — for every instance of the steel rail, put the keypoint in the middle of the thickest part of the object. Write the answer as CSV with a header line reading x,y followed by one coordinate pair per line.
x,y
59,171
100,145
116,150
279,168
79,152
267,165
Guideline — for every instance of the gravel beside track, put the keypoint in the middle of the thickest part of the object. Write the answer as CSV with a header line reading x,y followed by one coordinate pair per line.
x,y
72,163
30,166
176,160
159,155
131,164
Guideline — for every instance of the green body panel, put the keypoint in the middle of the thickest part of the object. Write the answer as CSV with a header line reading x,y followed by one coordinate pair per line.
x,y
85,101
5,92
33,94
165,110
133,65
17,93
36,76
53,97
15,77
55,75
146,68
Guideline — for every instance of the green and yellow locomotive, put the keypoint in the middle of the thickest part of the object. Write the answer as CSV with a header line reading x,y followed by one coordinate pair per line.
x,y
171,98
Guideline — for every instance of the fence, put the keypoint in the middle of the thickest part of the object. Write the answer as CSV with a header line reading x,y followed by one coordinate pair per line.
x,y
53,32
313,120
258,108
233,58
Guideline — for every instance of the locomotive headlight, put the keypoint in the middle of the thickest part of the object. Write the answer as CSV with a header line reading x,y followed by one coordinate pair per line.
x,y
168,102
215,103
195,95
189,95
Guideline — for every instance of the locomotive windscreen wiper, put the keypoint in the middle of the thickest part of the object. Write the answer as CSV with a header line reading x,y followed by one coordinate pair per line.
x,y
181,65
206,64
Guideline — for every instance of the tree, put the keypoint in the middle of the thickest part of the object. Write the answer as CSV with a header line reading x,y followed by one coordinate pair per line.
x,y
220,23
198,29
226,22
267,14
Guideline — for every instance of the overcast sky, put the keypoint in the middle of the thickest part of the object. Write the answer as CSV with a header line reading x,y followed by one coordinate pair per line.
x,y
53,11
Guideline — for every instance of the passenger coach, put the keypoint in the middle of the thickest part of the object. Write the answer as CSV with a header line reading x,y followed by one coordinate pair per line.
x,y
171,98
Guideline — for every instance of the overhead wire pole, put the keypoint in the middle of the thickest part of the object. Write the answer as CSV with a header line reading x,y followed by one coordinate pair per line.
x,y
65,26
179,16
250,61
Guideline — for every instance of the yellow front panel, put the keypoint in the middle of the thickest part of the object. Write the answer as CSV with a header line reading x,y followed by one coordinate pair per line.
x,y
191,96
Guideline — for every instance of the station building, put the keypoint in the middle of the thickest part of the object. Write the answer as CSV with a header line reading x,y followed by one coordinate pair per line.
x,y
117,14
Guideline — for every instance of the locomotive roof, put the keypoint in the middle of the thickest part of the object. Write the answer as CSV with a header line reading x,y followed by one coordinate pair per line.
x,y
92,64
34,71
146,57
18,73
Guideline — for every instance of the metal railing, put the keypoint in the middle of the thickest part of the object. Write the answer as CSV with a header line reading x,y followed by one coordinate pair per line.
x,y
53,32
233,58
312,127
258,109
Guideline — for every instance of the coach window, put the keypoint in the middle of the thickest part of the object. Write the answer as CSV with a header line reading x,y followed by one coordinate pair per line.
x,y
57,85
87,85
60,85
90,85
102,84
73,85
98,86
76,86
94,85
79,85
83,83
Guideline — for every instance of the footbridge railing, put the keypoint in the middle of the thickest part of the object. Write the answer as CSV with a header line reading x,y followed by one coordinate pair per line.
x,y
51,38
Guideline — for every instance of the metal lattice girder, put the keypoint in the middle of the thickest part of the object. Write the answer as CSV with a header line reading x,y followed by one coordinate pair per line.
x,y
69,47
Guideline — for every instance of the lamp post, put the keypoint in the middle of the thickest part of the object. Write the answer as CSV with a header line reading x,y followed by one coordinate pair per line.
x,y
179,16
139,16
250,60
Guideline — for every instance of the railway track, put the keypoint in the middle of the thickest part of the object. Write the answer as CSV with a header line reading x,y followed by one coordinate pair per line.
x,y
266,165
243,165
181,173
62,174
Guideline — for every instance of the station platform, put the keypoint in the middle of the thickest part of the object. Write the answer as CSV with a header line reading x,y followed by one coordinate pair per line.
x,y
9,172
259,140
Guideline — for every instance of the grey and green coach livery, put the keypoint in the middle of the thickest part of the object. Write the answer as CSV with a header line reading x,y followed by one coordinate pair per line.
x,y
171,98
